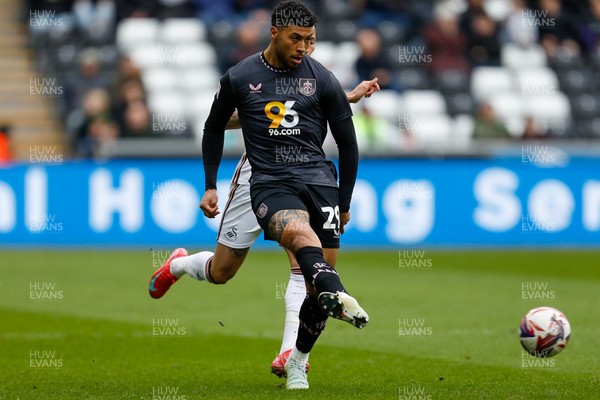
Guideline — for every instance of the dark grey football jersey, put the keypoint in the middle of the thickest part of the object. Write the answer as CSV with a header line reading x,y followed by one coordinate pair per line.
x,y
284,115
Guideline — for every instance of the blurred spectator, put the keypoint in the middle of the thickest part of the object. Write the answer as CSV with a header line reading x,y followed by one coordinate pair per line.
x,y
5,148
474,8
88,77
484,43
211,11
136,9
482,34
374,12
372,132
176,9
531,131
248,42
487,126
447,44
557,28
127,71
137,121
60,6
131,91
372,62
160,9
95,16
520,27
590,29
97,125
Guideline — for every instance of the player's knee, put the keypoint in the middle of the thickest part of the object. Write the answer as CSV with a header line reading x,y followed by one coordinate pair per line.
x,y
300,235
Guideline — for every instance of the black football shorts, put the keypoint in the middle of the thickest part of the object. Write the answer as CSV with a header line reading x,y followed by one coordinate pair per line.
x,y
321,202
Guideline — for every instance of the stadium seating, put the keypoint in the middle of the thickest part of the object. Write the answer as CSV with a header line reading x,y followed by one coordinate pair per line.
x,y
181,60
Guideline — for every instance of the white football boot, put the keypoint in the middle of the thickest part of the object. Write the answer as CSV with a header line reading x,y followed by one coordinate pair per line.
x,y
296,374
342,306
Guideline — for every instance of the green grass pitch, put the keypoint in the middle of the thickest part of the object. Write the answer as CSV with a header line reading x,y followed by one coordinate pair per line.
x,y
80,325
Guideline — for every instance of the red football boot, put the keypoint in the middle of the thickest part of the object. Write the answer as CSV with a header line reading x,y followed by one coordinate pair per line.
x,y
278,365
163,279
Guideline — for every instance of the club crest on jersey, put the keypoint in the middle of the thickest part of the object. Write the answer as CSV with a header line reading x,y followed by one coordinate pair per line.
x,y
307,86
255,89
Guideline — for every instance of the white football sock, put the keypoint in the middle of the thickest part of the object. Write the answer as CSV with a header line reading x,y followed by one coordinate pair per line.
x,y
294,297
193,265
298,355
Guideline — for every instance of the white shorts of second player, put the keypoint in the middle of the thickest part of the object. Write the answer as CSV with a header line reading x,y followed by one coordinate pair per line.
x,y
239,228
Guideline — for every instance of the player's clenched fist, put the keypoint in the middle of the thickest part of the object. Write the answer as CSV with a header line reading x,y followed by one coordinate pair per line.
x,y
209,204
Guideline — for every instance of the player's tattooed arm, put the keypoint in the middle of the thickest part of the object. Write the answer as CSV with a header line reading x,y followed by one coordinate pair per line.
x,y
283,218
234,121
364,89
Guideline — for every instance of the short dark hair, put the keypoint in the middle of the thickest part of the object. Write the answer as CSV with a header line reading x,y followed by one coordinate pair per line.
x,y
292,13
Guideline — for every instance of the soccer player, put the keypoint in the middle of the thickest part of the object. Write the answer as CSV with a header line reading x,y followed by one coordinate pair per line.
x,y
237,233
296,201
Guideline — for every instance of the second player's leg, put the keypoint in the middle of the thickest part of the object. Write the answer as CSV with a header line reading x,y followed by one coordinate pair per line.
x,y
226,262
294,297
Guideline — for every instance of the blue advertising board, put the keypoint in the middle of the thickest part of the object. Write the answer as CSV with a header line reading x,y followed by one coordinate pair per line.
x,y
502,201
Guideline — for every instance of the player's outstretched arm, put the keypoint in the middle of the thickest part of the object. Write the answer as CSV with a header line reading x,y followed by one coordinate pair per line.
x,y
365,88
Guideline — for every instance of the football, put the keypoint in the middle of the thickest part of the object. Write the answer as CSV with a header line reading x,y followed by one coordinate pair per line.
x,y
544,332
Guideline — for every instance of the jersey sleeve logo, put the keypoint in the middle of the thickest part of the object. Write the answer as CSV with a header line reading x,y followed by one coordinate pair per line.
x,y
307,86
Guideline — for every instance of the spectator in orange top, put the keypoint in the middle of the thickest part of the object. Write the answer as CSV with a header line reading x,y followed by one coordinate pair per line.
x,y
5,151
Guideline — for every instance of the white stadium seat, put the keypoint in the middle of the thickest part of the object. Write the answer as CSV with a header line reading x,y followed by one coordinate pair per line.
x,y
133,32
549,108
507,105
199,104
422,102
432,131
488,81
537,81
346,76
197,54
195,80
517,57
146,56
182,30
463,128
510,109
160,79
346,54
167,102
384,104
325,53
